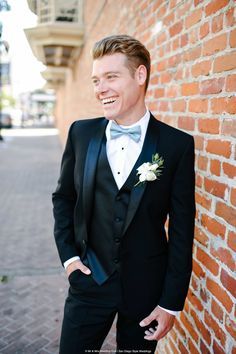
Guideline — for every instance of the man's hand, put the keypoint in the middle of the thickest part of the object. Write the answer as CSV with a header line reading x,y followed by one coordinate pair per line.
x,y
165,323
77,265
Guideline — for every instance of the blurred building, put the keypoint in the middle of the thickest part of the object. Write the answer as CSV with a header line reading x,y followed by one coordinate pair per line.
x,y
57,39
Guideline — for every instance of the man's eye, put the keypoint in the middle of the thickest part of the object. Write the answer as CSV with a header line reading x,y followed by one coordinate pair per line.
x,y
95,82
111,76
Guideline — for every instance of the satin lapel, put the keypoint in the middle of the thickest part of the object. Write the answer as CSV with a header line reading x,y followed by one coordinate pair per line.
x,y
149,148
90,168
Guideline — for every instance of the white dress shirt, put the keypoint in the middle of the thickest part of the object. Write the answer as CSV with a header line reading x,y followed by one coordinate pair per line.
x,y
122,154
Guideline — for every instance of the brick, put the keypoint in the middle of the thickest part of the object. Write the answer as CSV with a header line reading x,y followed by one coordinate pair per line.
x,y
219,147
189,89
217,23
223,104
213,226
230,17
184,40
224,63
201,237
204,30
215,188
176,28
215,45
229,127
162,65
228,282
165,78
196,303
230,325
202,163
202,329
179,106
192,347
215,6
203,200
210,126
172,91
174,60
188,326
197,2
231,83
182,348
229,170
217,310
154,80
224,255
232,240
193,18
219,333
198,106
215,167
193,36
233,196
163,106
232,39
183,9
204,349
159,93
226,212
186,123
197,269
202,68
192,54
217,349
211,86
207,261
199,180
161,38
220,294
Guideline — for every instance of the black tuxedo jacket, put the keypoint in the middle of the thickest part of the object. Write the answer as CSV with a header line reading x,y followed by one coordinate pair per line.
x,y
155,267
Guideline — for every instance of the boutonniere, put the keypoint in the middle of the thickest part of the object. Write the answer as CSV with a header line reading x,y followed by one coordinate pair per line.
x,y
149,171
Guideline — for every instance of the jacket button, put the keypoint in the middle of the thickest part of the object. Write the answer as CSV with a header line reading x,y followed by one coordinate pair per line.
x,y
117,240
118,198
116,260
117,219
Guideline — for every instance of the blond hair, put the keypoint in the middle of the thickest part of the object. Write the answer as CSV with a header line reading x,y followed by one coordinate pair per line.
x,y
135,52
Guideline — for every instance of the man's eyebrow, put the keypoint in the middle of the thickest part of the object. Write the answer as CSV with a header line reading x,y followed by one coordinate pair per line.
x,y
106,73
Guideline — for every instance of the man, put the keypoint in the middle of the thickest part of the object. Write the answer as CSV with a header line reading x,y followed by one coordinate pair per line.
x,y
121,177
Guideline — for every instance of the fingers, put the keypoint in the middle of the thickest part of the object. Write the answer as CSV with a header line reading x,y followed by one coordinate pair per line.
x,y
77,265
146,321
84,269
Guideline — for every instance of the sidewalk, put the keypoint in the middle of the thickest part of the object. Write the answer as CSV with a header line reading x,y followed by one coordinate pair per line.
x,y
33,285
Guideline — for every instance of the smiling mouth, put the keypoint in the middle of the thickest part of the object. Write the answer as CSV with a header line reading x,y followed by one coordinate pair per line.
x,y
107,101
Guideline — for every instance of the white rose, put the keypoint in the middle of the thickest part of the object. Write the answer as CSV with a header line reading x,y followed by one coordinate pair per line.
x,y
143,168
150,176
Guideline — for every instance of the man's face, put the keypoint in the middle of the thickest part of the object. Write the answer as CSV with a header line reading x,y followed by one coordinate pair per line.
x,y
120,93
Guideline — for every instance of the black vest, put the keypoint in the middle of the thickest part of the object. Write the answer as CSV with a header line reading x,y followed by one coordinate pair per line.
x,y
108,218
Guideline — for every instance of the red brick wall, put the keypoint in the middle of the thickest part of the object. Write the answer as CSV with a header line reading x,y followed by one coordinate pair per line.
x,y
193,84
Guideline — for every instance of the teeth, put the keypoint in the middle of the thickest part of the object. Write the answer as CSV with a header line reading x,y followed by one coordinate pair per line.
x,y
108,100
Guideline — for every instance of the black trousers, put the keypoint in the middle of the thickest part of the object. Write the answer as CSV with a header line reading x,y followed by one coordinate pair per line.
x,y
89,312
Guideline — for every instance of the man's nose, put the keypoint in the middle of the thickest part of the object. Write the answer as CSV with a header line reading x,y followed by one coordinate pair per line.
x,y
101,87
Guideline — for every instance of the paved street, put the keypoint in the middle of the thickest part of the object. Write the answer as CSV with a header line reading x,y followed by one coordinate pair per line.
x,y
33,285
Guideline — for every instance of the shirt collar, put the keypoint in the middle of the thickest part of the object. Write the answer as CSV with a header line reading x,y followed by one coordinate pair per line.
x,y
143,122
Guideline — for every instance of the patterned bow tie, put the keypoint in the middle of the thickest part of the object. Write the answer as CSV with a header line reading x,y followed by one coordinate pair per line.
x,y
134,133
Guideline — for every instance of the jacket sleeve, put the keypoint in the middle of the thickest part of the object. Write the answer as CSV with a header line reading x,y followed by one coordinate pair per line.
x,y
180,232
64,199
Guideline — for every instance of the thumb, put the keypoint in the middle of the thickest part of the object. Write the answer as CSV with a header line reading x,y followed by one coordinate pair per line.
x,y
147,320
85,269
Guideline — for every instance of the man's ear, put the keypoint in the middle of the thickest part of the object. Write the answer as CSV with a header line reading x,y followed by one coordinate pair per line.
x,y
141,74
